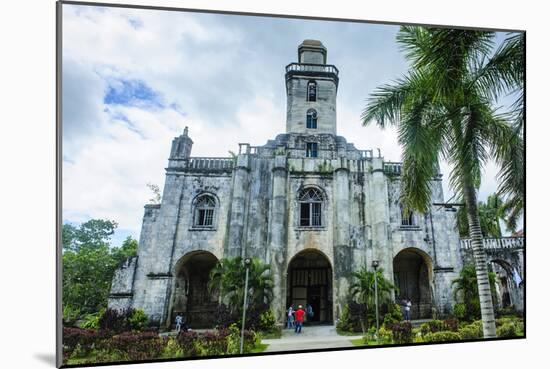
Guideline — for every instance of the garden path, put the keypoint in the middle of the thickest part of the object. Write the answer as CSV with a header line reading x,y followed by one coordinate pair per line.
x,y
312,337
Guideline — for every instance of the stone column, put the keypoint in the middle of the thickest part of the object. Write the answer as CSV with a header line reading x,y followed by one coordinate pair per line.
x,y
238,205
343,252
276,252
380,219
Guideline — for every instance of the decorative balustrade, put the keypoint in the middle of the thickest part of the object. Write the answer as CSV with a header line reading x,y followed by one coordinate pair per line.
x,y
213,163
392,168
305,67
496,243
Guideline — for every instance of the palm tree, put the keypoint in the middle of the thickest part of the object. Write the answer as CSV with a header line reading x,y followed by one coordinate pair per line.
x,y
444,108
362,287
228,279
466,285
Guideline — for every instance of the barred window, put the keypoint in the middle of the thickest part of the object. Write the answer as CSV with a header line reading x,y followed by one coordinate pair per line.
x,y
311,91
407,217
204,211
311,119
311,201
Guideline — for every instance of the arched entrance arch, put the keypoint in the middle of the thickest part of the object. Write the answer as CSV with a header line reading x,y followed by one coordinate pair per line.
x,y
505,282
413,275
309,281
190,295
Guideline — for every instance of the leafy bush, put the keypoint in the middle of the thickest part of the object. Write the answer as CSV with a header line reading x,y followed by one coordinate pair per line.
x,y
91,321
402,332
442,336
510,329
459,310
172,349
470,332
394,315
350,320
268,321
114,320
450,324
224,317
138,345
432,326
138,320
70,316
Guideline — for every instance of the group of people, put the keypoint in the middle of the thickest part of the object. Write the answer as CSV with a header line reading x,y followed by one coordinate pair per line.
x,y
295,318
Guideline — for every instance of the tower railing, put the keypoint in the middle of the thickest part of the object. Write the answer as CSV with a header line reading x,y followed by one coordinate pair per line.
x,y
306,67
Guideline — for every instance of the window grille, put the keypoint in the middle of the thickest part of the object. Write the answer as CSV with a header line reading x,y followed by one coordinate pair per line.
x,y
311,119
311,201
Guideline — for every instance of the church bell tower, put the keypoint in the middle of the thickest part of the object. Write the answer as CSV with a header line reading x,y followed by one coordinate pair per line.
x,y
311,87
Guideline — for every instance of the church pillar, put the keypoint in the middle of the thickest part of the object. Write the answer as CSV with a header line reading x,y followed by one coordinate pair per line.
x,y
235,244
276,252
380,219
343,252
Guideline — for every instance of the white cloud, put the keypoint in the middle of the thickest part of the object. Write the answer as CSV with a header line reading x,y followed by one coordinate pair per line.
x,y
220,75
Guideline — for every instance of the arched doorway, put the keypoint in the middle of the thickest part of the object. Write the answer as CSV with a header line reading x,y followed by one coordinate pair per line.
x,y
412,271
504,282
309,281
190,297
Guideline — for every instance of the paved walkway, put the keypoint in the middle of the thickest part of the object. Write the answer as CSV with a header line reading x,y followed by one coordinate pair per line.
x,y
312,337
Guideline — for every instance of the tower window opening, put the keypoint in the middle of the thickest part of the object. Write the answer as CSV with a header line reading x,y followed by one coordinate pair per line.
x,y
311,149
311,119
311,91
204,211
407,217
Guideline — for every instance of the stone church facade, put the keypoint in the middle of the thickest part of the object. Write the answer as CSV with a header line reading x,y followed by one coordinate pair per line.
x,y
308,203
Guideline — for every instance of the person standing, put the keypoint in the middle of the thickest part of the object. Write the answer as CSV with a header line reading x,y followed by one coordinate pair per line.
x,y
299,321
408,305
290,318
179,321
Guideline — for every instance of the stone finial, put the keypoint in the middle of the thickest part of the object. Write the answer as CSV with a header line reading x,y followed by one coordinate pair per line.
x,y
186,131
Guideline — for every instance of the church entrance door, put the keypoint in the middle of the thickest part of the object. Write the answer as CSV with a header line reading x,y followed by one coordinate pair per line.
x,y
412,272
309,282
190,293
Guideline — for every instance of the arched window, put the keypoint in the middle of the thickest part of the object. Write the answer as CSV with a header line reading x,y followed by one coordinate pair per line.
x,y
311,119
407,217
311,201
311,91
204,211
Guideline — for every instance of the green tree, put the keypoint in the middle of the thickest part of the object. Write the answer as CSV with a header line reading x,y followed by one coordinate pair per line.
x,y
444,107
228,278
362,288
466,286
88,265
491,213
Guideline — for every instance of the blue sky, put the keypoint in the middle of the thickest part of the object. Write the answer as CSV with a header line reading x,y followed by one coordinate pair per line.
x,y
133,79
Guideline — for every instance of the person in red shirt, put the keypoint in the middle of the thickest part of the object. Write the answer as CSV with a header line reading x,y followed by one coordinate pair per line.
x,y
299,314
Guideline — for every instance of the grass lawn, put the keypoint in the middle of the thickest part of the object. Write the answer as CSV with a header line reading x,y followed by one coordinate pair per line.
x,y
358,342
271,335
260,348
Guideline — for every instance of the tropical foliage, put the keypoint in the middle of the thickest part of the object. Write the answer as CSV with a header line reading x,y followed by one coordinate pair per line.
x,y
362,289
445,108
465,289
88,266
228,279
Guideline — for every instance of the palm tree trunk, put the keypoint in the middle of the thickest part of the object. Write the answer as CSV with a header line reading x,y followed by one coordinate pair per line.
x,y
480,260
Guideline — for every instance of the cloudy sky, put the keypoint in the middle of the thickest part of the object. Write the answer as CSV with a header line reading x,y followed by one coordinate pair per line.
x,y
133,79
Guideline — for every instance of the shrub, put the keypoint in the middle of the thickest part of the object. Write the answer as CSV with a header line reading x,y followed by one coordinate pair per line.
x,y
344,323
114,320
91,321
138,320
470,332
172,349
459,310
509,329
70,316
450,324
442,336
402,332
431,327
224,317
394,315
350,320
268,321
186,342
138,345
